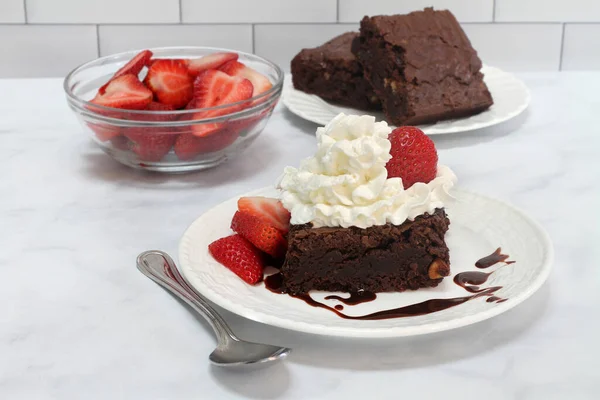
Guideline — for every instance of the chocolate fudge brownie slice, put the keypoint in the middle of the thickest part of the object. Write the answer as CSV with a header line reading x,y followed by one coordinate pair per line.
x,y
422,66
380,258
332,72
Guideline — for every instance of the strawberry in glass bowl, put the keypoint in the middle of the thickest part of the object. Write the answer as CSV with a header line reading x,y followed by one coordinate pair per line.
x,y
174,109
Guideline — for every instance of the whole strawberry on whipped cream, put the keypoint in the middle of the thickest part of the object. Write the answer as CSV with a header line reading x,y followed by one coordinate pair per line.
x,y
346,182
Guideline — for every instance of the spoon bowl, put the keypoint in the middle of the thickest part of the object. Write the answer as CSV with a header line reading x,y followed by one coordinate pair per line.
x,y
231,351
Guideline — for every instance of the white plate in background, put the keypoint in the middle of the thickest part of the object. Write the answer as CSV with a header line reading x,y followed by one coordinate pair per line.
x,y
511,98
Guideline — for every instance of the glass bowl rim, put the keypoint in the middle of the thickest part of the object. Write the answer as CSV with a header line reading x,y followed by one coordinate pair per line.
x,y
88,107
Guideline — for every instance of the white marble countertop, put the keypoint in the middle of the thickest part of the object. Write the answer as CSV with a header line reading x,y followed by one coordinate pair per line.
x,y
78,321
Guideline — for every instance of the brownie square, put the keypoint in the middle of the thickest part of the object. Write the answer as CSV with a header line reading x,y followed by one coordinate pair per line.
x,y
380,258
333,73
422,66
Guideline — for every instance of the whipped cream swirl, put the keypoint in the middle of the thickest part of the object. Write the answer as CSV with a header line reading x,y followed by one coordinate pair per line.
x,y
345,183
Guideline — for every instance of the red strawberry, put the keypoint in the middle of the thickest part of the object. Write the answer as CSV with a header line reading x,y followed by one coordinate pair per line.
x,y
211,61
215,88
260,82
133,67
170,82
155,106
414,158
237,254
184,61
121,143
152,143
104,132
268,209
125,92
150,146
188,146
260,233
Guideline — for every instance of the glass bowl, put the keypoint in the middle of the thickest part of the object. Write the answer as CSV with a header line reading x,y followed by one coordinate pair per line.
x,y
112,129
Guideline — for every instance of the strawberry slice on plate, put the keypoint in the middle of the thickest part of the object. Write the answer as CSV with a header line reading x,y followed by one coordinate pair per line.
x,y
260,82
188,146
268,209
260,233
239,256
211,61
215,88
170,82
133,67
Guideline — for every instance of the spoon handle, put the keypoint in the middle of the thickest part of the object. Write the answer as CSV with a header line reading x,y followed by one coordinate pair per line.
x,y
159,267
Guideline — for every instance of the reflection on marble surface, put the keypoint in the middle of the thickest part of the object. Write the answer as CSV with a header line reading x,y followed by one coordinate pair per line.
x,y
77,320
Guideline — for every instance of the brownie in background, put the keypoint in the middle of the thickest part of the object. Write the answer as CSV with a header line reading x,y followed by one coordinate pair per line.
x,y
422,66
333,73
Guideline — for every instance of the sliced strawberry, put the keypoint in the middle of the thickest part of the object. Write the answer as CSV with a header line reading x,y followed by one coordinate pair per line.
x,y
150,146
188,146
126,92
121,143
244,125
104,132
260,82
170,82
268,209
239,256
211,61
133,67
184,61
215,88
152,143
414,157
155,106
260,233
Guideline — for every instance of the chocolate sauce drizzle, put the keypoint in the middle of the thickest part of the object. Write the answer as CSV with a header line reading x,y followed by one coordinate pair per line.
x,y
355,298
469,280
493,259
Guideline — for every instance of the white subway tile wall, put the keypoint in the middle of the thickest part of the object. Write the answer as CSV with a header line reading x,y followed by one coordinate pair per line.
x,y
579,39
223,11
280,43
118,38
463,10
515,35
529,47
102,11
548,10
12,11
45,51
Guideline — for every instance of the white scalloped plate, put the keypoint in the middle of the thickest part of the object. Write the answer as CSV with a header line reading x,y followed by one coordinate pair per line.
x,y
511,98
479,225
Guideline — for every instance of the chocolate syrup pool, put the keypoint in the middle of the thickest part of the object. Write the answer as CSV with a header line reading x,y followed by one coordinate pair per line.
x,y
469,280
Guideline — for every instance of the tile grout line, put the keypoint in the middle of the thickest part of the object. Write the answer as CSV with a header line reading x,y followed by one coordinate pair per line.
x,y
180,12
98,40
253,39
337,11
562,46
494,12
25,12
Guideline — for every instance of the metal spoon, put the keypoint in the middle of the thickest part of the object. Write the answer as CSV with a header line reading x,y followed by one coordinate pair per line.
x,y
231,351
